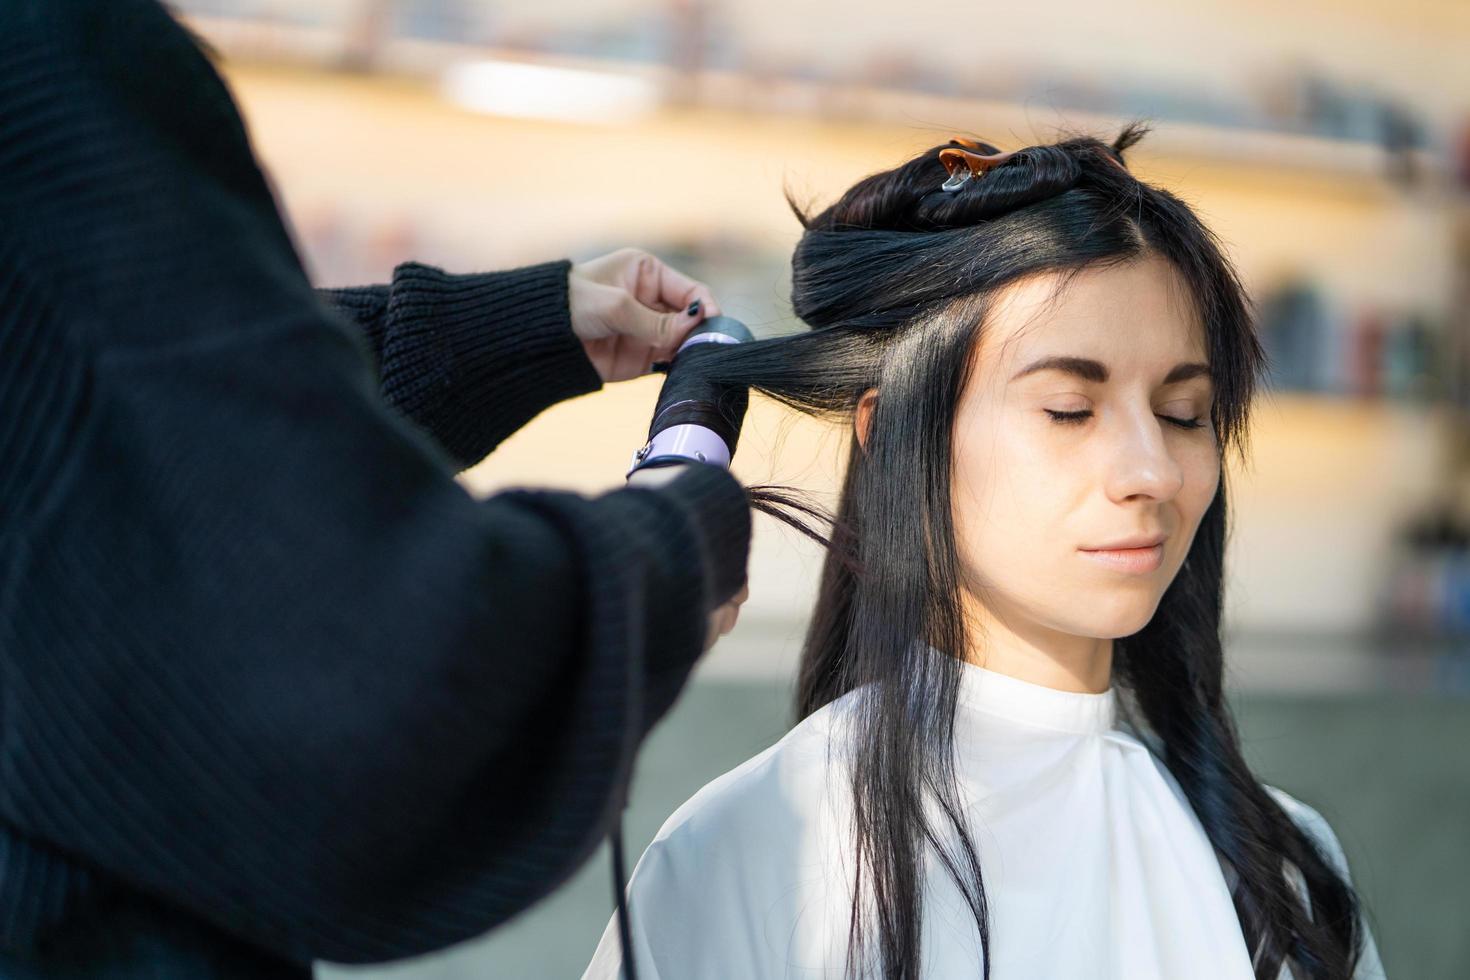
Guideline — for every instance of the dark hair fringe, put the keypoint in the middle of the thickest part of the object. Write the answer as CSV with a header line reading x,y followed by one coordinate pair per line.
x,y
894,280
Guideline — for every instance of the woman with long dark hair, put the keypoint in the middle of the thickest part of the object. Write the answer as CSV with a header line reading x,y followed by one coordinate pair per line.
x,y
1014,756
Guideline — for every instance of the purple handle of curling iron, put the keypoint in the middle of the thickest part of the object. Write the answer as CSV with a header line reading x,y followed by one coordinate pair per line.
x,y
712,337
694,441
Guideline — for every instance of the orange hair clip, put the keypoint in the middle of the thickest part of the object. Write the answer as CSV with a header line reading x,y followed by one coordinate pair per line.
x,y
963,164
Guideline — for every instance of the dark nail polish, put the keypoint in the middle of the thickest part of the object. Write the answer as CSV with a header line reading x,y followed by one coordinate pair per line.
x,y
693,308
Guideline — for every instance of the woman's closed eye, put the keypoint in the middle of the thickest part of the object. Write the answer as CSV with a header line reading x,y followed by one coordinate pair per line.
x,y
1075,418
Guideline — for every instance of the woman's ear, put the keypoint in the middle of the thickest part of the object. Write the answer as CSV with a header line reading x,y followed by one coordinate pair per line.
x,y
863,417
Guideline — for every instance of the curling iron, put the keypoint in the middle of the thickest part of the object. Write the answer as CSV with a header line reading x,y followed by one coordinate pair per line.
x,y
696,420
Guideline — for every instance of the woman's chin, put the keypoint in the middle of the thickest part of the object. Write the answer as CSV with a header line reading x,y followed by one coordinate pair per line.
x,y
1115,613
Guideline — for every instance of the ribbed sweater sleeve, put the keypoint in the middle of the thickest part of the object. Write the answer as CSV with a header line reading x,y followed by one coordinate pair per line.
x,y
262,657
471,357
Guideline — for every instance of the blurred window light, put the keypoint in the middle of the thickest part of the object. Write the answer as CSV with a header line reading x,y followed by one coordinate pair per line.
x,y
509,88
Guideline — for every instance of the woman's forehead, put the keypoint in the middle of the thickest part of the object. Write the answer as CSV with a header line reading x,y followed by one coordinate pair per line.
x,y
1131,315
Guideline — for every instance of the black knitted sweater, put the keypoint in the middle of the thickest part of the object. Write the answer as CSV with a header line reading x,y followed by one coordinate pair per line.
x,y
267,671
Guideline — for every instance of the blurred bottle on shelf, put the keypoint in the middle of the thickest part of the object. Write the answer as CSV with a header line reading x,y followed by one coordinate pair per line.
x,y
1460,150
1409,360
1424,594
1365,353
1376,353
1293,330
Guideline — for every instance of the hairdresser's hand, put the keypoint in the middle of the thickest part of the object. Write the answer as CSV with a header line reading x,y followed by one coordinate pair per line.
x,y
722,620
629,309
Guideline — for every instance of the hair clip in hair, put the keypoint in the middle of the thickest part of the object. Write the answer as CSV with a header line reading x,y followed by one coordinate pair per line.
x,y
957,180
964,164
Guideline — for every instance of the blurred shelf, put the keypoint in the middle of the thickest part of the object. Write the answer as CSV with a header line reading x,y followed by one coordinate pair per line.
x,y
1332,165
1351,164
1295,403
1311,663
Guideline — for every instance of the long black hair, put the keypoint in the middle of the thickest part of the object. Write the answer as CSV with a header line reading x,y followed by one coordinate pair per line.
x,y
894,280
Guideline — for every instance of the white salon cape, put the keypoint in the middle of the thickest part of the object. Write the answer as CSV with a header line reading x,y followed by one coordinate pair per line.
x,y
1094,863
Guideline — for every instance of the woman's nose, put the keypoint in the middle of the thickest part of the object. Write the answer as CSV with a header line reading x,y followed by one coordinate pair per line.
x,y
1141,461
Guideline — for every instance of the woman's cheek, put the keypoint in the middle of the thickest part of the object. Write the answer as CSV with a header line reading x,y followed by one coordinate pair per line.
x,y
1203,480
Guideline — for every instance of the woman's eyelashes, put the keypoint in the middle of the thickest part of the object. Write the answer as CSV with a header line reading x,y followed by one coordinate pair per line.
x,y
1076,418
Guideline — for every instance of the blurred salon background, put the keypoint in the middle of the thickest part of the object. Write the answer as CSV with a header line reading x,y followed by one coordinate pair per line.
x,y
1326,141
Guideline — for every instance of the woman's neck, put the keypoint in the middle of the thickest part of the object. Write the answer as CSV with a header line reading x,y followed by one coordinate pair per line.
x,y
1041,656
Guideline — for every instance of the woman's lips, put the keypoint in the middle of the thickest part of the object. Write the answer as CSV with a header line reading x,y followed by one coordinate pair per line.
x,y
1135,560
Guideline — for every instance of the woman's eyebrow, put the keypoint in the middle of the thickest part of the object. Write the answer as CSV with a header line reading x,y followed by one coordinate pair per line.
x,y
1097,371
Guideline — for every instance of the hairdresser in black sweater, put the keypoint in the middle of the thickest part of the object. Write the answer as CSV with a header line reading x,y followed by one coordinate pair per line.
x,y
273,686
